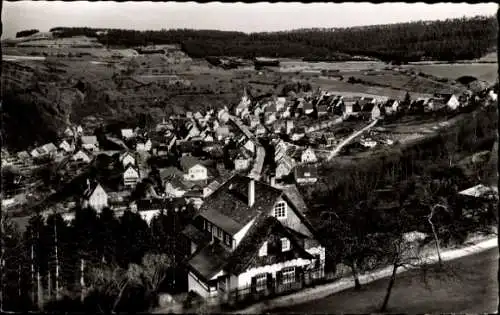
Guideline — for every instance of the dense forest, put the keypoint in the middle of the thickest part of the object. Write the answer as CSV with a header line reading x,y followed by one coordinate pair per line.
x,y
452,39
85,253
26,33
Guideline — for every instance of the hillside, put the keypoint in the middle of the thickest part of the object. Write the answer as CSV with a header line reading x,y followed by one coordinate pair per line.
x,y
452,39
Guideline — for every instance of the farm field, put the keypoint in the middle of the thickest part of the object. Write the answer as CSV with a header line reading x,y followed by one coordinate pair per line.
x,y
482,71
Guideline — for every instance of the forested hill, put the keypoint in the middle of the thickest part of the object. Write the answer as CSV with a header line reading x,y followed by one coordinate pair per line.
x,y
452,39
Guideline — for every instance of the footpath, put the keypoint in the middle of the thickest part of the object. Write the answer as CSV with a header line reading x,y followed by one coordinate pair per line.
x,y
319,292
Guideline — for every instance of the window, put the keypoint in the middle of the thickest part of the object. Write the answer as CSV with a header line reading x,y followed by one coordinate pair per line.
x,y
261,282
222,284
280,210
263,250
227,240
288,275
209,227
219,233
285,244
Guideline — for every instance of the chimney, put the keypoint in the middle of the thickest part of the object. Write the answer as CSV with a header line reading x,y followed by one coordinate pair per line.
x,y
251,192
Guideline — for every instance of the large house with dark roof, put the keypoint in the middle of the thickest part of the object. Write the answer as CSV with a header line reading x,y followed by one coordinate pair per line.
x,y
250,236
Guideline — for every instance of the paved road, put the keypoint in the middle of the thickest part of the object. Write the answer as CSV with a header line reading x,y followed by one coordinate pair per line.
x,y
350,138
472,289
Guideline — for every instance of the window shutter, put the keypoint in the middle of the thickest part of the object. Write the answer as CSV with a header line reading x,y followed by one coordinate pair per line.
x,y
269,280
253,287
298,273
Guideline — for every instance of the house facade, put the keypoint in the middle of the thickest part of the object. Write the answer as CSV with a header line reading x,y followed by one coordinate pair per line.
x,y
130,177
95,197
308,156
250,237
127,159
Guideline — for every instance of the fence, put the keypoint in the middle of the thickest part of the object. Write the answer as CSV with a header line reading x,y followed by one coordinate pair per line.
x,y
272,288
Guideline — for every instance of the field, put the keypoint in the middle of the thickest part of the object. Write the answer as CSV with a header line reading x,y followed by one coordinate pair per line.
x,y
483,71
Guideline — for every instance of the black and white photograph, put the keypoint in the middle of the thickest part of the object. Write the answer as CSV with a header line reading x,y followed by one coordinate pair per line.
x,y
249,158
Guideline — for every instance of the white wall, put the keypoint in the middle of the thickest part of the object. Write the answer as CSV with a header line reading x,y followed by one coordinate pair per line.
x,y
245,279
239,236
196,285
149,215
292,220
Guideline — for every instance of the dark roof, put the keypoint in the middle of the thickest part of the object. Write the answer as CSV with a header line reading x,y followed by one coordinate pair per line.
x,y
170,172
366,106
224,222
295,197
209,260
195,235
152,204
90,190
231,201
389,102
188,161
301,170
264,227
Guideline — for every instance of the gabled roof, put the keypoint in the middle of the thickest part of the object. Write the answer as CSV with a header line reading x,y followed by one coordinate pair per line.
x,y
264,227
169,172
229,203
389,102
209,260
90,190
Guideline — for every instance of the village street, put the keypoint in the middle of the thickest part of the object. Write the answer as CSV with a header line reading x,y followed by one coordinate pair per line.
x,y
354,135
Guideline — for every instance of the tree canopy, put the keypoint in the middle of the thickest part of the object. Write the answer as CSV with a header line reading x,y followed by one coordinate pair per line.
x,y
452,39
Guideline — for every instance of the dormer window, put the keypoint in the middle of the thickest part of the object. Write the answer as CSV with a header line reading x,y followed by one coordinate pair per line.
x,y
280,210
263,250
285,244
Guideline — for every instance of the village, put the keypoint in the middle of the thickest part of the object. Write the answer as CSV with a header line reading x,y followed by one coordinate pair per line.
x,y
238,167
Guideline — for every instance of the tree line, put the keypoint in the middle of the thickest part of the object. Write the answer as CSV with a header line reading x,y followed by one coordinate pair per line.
x,y
96,262
451,39
26,33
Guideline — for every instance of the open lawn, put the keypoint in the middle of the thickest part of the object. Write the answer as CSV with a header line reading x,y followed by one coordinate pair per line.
x,y
473,288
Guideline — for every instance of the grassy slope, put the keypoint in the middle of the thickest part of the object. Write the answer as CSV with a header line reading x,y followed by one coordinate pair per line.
x,y
474,289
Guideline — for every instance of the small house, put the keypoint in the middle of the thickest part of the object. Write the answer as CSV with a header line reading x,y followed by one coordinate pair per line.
x,y
222,132
127,134
144,146
66,147
308,108
193,169
127,159
68,132
90,143
308,156
130,176
285,167
81,156
242,160
95,197
305,174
